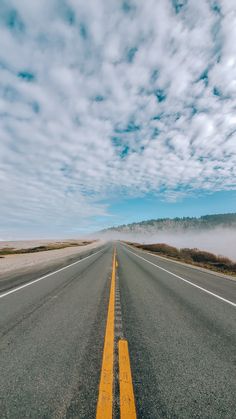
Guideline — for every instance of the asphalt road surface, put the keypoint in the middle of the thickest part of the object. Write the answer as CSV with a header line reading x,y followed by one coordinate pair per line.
x,y
180,324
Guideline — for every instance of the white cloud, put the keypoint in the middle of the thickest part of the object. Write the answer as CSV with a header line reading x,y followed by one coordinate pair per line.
x,y
97,99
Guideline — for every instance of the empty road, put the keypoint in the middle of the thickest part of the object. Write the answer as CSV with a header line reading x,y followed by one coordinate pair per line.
x,y
179,322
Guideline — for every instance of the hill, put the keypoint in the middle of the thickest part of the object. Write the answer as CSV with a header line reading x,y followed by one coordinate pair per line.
x,y
213,233
205,222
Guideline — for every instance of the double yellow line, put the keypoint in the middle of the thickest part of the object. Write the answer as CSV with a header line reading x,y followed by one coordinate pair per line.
x,y
106,386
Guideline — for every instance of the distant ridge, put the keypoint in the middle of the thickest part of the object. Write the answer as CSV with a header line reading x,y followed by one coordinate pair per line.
x,y
204,222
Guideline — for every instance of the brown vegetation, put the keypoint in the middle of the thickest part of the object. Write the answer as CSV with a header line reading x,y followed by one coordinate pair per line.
x,y
53,246
192,256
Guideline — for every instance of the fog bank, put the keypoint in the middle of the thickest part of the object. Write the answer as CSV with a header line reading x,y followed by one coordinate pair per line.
x,y
221,241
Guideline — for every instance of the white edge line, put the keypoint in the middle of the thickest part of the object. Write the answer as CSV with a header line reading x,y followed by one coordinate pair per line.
x,y
185,280
188,265
46,276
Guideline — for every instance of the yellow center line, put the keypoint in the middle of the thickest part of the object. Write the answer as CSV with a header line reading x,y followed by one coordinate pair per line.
x,y
127,402
105,396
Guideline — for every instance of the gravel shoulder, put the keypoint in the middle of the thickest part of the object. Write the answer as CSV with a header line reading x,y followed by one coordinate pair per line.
x,y
12,264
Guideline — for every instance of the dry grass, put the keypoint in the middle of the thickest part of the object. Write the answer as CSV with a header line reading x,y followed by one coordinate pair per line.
x,y
53,246
192,256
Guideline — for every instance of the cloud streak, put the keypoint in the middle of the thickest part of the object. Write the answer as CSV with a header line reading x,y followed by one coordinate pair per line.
x,y
105,98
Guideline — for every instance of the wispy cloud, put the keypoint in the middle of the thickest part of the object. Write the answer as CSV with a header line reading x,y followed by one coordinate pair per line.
x,y
102,97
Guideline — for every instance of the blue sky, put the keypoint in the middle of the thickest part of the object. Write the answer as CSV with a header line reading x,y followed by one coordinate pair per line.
x,y
151,207
115,111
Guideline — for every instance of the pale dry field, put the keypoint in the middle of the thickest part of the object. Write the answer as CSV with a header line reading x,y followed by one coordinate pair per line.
x,y
27,244
12,263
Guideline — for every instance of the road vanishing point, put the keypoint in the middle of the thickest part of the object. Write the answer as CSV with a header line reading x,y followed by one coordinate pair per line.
x,y
117,332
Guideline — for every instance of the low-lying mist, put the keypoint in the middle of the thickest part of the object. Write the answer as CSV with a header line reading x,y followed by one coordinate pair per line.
x,y
221,241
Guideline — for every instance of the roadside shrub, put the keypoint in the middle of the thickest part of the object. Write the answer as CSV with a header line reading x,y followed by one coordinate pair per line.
x,y
163,248
192,256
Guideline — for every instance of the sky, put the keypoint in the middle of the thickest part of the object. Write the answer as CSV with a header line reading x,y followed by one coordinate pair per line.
x,y
115,111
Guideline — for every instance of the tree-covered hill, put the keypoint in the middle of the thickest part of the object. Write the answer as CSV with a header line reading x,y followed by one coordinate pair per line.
x,y
185,223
